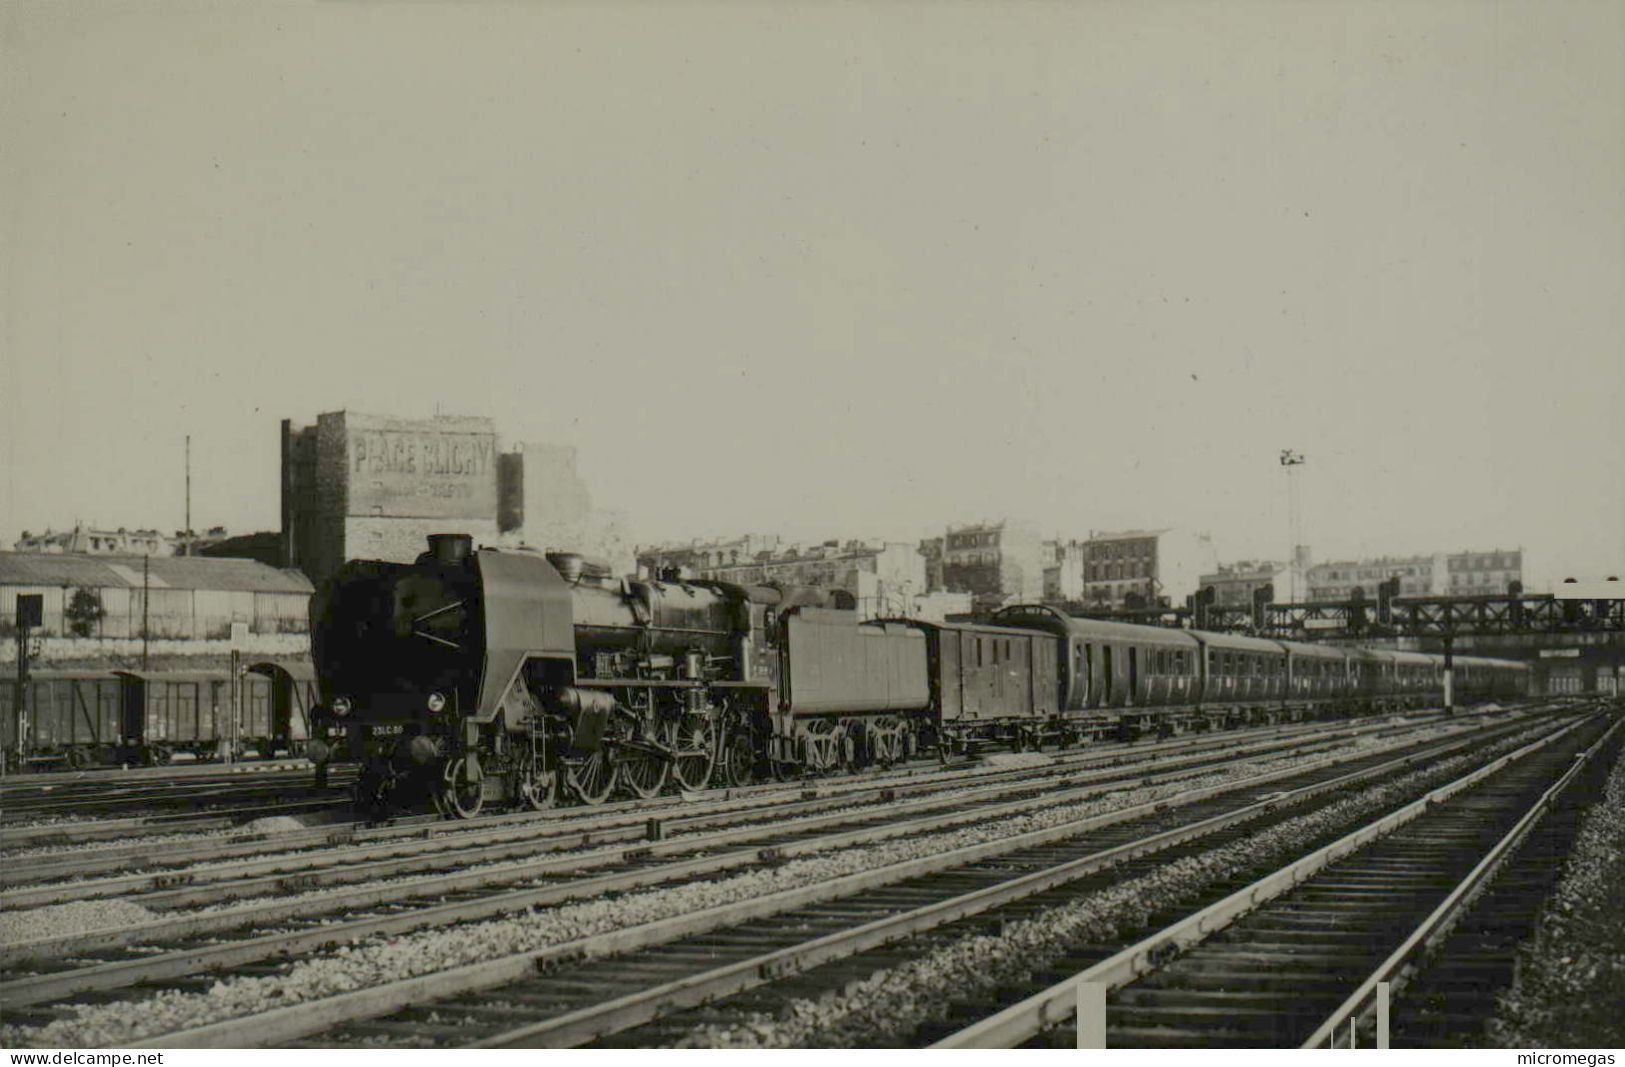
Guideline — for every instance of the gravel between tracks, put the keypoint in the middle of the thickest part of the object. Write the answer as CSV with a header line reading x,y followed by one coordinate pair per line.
x,y
75,917
374,962
886,1008
1570,979
589,854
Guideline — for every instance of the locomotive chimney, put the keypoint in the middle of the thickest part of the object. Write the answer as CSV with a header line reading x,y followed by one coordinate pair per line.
x,y
568,564
450,547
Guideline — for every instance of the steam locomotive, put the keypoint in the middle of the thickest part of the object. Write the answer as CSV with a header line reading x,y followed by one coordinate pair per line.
x,y
522,678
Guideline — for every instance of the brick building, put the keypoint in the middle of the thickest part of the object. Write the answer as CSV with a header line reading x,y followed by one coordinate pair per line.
x,y
996,562
1143,567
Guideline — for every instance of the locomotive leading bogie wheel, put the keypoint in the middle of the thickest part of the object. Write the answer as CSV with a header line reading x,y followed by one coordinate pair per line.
x,y
537,786
691,742
591,778
461,797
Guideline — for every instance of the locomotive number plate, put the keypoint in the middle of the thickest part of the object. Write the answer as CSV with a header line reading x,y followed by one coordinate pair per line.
x,y
385,728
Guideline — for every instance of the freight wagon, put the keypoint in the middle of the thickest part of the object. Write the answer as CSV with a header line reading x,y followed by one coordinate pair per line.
x,y
92,718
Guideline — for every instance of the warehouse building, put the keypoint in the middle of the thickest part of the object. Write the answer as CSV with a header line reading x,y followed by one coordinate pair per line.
x,y
162,597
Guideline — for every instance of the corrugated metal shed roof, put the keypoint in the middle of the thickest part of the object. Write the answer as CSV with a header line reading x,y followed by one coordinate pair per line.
x,y
164,572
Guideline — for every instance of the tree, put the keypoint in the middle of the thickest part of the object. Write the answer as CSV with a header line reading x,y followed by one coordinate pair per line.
x,y
84,611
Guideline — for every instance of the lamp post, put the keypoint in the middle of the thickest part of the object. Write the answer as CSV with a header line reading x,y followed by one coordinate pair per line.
x,y
1291,461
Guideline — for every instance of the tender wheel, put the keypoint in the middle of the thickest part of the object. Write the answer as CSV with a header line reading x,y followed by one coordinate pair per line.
x,y
592,778
538,786
738,760
887,742
460,796
691,741
77,758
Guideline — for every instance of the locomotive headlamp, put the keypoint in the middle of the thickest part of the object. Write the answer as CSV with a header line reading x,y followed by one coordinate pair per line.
x,y
437,702
341,706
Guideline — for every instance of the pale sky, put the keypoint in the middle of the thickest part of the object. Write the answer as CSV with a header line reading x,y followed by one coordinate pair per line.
x,y
837,270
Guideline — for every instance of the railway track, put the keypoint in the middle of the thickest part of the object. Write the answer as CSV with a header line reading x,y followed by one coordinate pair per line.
x,y
810,839
101,860
739,835
1295,957
831,942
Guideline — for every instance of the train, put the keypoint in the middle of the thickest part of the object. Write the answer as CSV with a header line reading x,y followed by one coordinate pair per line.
x,y
78,719
523,678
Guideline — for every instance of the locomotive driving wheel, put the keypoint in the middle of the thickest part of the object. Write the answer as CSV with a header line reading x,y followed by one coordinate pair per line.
x,y
641,771
692,743
590,778
460,796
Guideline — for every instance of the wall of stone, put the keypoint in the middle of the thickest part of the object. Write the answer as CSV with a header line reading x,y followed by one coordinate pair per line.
x,y
403,540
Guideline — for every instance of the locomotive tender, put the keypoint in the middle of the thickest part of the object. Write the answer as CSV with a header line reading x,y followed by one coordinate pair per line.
x,y
521,678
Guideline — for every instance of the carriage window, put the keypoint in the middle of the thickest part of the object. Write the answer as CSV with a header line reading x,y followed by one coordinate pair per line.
x,y
978,651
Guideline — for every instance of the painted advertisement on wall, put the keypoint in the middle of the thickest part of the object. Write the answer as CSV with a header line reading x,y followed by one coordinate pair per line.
x,y
426,468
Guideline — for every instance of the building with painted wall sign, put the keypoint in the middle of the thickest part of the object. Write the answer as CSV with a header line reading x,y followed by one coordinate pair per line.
x,y
360,486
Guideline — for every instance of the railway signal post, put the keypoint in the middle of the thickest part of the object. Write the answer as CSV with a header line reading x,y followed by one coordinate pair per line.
x,y
239,638
30,614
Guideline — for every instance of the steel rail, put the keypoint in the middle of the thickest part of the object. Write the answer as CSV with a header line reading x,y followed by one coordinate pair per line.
x,y
195,924
90,831
60,866
633,1009
288,1024
1053,1006
50,986
1439,922
305,870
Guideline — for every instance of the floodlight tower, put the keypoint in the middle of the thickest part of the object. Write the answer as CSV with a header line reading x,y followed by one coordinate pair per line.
x,y
1291,461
